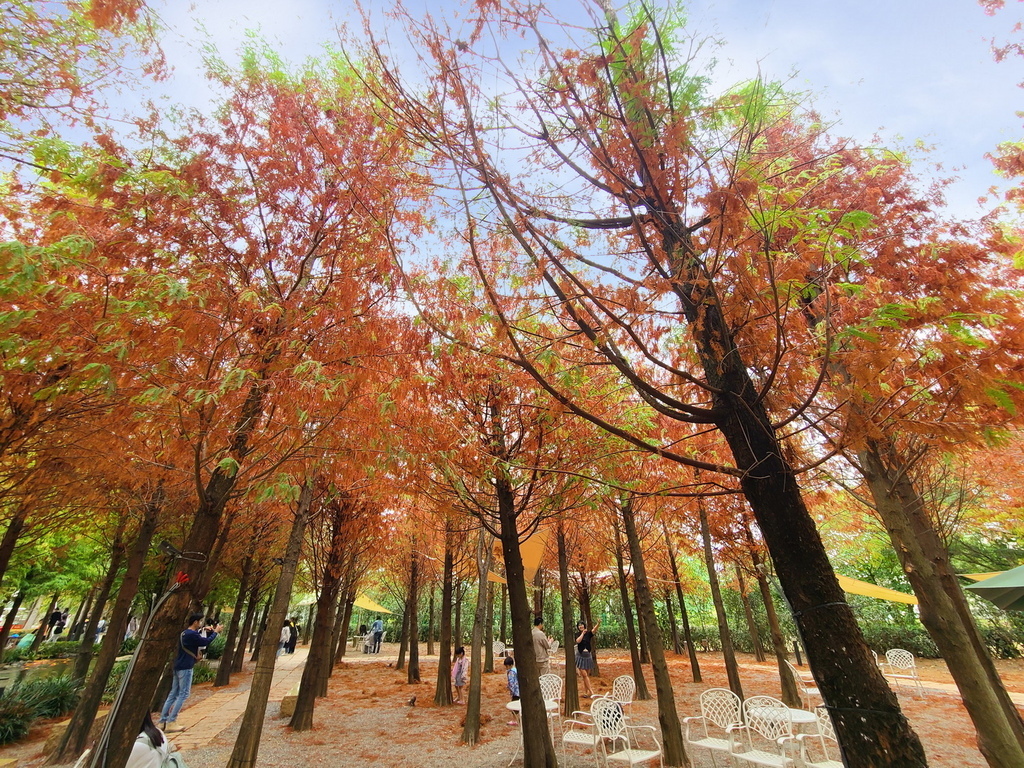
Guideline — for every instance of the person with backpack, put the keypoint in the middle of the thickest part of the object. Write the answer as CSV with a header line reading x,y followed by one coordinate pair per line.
x,y
190,650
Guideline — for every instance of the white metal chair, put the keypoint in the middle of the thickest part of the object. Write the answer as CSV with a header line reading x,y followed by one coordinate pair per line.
x,y
623,690
551,692
581,730
622,743
719,707
766,737
824,744
498,649
805,682
900,665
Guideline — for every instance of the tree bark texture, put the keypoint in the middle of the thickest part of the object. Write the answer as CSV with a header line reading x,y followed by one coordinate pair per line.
x,y
15,527
943,608
443,686
732,669
642,693
227,657
76,735
668,717
748,613
250,618
790,692
571,694
471,727
247,745
414,624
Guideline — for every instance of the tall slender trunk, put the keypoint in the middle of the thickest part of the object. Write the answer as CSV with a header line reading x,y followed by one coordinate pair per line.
x,y
732,669
414,624
227,657
247,744
668,717
627,611
471,727
641,625
943,608
346,624
443,687
11,616
84,655
403,640
538,751
320,646
571,695
748,612
242,645
677,646
790,692
430,621
504,613
489,630
15,527
261,630
46,623
77,733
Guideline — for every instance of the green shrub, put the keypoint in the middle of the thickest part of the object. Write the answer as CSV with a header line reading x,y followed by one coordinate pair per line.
x,y
49,696
216,649
203,673
883,637
59,649
128,646
114,680
15,717
1002,643
13,655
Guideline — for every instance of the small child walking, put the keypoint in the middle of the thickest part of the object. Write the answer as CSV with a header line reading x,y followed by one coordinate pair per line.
x,y
512,676
459,673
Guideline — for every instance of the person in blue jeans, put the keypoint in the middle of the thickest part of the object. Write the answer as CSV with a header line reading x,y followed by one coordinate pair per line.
x,y
190,644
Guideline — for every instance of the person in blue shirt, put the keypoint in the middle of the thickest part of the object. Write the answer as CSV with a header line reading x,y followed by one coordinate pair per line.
x,y
378,635
190,645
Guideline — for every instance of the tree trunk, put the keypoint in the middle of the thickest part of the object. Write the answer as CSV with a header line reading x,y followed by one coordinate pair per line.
x,y
538,751
430,622
247,744
471,728
346,624
489,630
459,594
668,717
76,735
443,687
790,692
261,631
944,611
227,658
641,626
9,621
504,613
320,646
677,646
731,667
414,624
84,655
571,697
10,540
627,612
403,640
748,612
250,618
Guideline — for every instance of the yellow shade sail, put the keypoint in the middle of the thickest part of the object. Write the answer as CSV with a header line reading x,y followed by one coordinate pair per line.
x,y
855,587
532,551
368,605
981,576
492,576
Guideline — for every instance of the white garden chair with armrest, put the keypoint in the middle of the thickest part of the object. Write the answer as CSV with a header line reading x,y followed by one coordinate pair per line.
x,y
805,682
766,737
821,749
900,665
623,690
625,744
581,730
551,691
719,709
498,649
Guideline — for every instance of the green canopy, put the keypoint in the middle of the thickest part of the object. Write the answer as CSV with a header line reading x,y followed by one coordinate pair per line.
x,y
1005,589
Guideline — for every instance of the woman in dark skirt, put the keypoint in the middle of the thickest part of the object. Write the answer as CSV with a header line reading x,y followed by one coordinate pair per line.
x,y
585,654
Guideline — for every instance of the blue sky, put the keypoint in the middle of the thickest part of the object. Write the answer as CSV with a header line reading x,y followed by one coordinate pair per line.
x,y
906,70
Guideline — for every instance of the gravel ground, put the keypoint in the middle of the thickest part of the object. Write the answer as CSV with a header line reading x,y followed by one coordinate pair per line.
x,y
366,720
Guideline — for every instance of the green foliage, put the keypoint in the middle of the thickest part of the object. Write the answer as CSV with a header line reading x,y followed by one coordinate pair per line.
x,y
60,649
128,646
49,696
216,649
15,718
114,681
883,637
14,655
203,672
